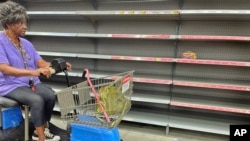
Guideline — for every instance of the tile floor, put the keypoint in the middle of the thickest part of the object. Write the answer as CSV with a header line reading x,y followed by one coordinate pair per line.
x,y
130,131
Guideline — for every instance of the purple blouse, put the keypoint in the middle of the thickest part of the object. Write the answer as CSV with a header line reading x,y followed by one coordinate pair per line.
x,y
9,54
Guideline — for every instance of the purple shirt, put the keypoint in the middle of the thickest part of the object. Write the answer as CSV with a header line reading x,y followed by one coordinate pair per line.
x,y
9,54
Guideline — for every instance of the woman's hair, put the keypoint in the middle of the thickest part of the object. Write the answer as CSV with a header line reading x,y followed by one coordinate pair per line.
x,y
11,13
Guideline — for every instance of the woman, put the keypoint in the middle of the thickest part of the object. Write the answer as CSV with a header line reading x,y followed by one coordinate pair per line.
x,y
20,68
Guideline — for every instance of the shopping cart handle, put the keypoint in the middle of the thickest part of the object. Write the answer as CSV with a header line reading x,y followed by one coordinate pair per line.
x,y
58,65
84,78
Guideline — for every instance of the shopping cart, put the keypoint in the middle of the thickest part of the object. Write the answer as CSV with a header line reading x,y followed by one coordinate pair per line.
x,y
95,107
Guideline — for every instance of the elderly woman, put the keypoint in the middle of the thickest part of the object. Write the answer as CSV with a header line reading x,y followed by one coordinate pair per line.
x,y
20,68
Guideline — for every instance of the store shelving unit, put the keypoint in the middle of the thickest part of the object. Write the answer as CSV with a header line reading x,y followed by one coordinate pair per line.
x,y
206,94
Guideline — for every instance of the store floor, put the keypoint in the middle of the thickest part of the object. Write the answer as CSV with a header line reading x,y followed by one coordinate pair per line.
x,y
130,131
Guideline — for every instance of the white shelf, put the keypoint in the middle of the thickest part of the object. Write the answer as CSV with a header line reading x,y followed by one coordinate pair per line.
x,y
147,117
200,120
160,99
143,36
211,105
154,79
149,14
196,124
150,59
158,80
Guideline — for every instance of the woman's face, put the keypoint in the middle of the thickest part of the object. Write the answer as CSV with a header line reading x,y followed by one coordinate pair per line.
x,y
18,28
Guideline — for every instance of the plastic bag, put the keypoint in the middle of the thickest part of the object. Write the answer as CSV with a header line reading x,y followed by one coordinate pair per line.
x,y
113,100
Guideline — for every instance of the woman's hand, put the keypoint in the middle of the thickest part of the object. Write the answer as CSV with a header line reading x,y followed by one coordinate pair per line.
x,y
69,66
45,71
42,71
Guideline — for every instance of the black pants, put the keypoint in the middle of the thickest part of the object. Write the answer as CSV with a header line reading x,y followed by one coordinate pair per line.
x,y
41,102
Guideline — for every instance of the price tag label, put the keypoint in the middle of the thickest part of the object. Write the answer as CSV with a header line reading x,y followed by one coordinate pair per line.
x,y
125,84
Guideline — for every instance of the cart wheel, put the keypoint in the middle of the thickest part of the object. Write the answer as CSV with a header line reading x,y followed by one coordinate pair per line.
x,y
68,130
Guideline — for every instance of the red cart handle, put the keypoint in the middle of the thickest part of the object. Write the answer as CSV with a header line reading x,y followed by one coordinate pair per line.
x,y
97,96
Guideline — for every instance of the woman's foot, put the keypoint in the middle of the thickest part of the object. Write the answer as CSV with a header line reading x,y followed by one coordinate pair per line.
x,y
48,136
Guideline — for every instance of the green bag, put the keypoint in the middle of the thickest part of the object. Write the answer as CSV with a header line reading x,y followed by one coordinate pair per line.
x,y
113,101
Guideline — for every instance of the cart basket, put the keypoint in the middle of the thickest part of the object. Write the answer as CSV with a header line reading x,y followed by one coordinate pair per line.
x,y
107,99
